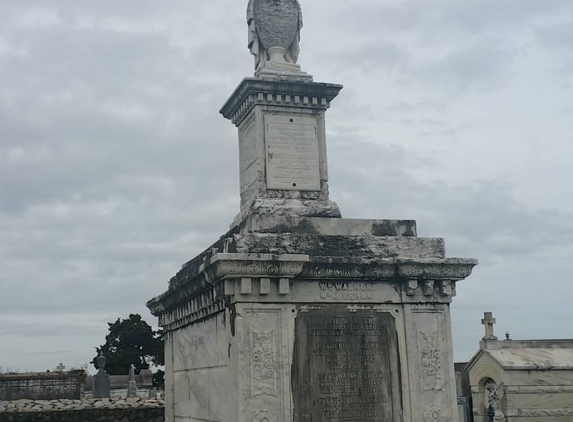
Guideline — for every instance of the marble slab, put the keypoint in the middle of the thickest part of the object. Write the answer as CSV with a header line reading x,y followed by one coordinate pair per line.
x,y
346,367
293,161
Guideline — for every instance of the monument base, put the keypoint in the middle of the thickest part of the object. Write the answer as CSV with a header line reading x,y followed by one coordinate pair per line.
x,y
322,319
289,208
287,72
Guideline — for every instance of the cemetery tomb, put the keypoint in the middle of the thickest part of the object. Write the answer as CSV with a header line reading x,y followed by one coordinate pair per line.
x,y
297,314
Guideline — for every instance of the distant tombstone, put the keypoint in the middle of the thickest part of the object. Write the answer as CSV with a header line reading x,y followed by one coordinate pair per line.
x,y
459,391
102,385
131,385
60,367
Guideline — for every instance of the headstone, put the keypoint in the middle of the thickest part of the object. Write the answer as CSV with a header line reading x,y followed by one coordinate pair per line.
x,y
131,386
297,314
60,367
459,391
101,388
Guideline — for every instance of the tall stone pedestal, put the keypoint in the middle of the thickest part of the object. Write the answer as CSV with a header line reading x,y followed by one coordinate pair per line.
x,y
299,315
282,147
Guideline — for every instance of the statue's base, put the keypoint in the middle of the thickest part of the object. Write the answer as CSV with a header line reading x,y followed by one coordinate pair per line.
x,y
277,71
286,207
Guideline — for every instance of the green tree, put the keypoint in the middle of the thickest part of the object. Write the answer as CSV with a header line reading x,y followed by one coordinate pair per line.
x,y
132,341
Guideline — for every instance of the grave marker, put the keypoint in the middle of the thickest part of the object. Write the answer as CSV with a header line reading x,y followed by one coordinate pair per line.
x,y
102,387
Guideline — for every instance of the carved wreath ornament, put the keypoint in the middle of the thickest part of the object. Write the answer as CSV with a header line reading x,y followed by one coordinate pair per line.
x,y
431,365
434,413
263,358
265,416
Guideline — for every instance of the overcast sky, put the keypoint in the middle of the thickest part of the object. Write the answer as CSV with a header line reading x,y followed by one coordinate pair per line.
x,y
116,168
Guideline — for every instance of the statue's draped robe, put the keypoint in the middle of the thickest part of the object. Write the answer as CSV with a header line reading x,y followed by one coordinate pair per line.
x,y
254,45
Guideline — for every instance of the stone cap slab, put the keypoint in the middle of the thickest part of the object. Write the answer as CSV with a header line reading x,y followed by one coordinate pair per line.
x,y
317,245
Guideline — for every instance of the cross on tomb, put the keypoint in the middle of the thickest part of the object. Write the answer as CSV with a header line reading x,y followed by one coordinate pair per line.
x,y
489,321
60,367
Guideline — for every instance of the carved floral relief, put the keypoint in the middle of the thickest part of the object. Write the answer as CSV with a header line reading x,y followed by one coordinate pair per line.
x,y
433,413
430,364
263,358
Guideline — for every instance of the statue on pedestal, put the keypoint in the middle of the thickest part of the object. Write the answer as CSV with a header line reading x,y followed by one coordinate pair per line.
x,y
274,31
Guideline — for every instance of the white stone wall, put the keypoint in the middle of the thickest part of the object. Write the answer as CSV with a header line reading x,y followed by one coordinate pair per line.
x,y
203,384
236,366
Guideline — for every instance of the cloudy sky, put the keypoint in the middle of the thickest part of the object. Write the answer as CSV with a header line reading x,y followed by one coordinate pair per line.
x,y
116,168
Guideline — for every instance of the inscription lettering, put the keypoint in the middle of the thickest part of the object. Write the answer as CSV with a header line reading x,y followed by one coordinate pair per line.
x,y
352,364
346,291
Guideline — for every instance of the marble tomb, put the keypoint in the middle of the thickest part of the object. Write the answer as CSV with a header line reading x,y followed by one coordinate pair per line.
x,y
297,314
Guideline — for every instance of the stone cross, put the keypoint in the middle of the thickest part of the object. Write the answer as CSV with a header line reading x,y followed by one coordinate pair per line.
x,y
489,321
60,367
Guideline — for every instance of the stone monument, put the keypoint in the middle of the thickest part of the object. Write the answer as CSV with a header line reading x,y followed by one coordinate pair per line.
x,y
131,384
101,386
297,314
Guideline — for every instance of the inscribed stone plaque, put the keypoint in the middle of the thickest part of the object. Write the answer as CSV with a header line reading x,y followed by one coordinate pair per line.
x,y
346,367
293,161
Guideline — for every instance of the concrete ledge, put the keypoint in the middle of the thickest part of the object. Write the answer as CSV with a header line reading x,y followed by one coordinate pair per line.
x,y
60,405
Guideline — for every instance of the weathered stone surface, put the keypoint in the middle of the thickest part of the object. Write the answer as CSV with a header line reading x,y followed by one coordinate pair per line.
x,y
328,226
62,385
364,247
346,367
104,410
287,207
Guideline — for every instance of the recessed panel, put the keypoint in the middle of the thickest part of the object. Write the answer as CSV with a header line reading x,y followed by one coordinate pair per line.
x,y
346,367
